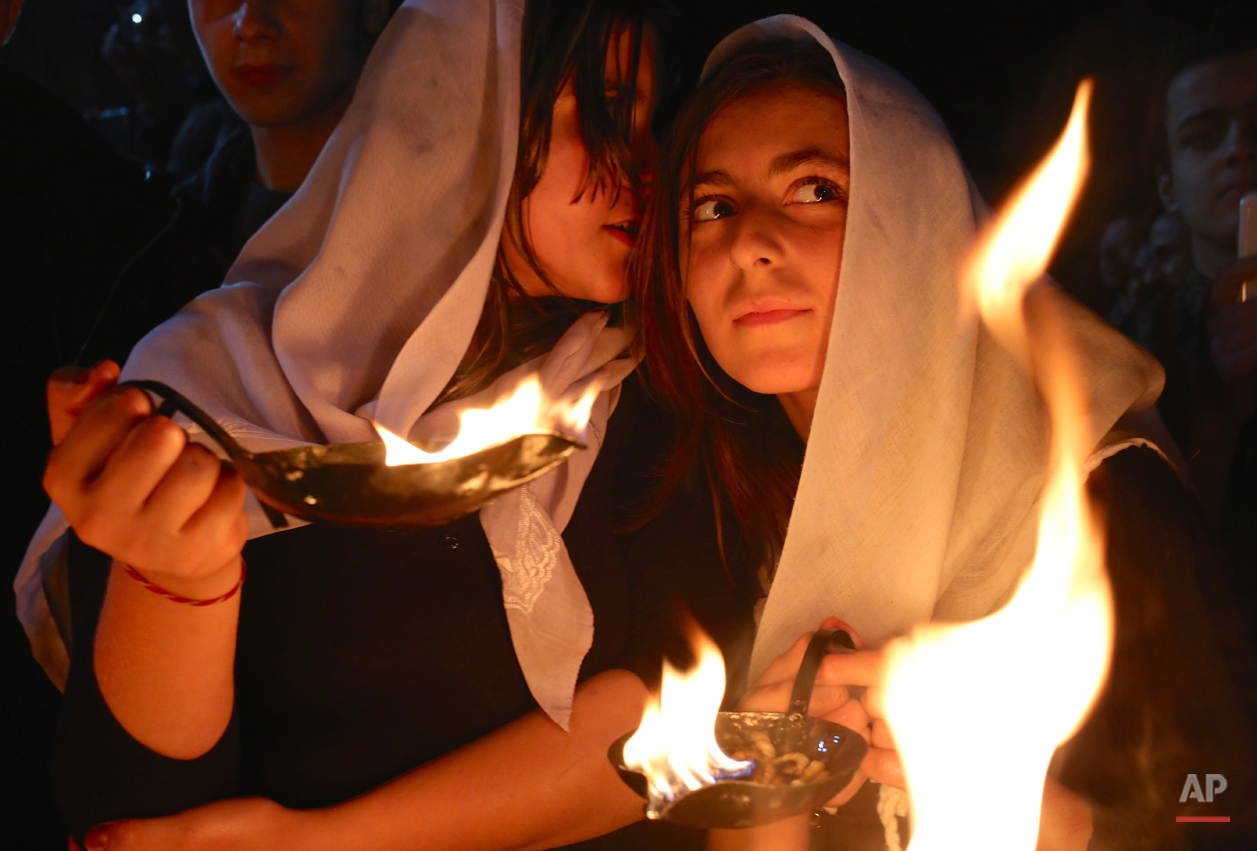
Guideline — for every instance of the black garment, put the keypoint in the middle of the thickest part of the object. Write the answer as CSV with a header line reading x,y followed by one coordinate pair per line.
x,y
229,200
1193,386
208,218
364,653
1179,342
71,213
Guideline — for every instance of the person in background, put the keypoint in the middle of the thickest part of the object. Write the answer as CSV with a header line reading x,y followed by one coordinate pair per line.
x,y
1169,253
1160,269
1206,339
152,52
287,69
1118,246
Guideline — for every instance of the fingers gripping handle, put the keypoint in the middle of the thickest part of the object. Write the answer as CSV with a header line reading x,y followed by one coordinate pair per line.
x,y
824,642
173,400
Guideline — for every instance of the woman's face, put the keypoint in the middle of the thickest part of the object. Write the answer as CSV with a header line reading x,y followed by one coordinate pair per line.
x,y
583,245
761,243
283,62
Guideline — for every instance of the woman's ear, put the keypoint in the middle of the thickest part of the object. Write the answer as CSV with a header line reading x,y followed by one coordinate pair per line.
x,y
375,14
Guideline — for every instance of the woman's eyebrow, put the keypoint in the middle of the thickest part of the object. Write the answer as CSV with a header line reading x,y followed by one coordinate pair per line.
x,y
807,156
710,178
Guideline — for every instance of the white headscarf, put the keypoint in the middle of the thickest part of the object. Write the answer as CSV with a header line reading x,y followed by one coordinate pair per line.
x,y
927,448
358,300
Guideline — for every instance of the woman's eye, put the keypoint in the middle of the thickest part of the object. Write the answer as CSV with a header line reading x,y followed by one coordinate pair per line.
x,y
709,209
815,190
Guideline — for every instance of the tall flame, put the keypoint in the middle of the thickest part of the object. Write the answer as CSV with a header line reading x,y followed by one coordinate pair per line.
x,y
675,745
525,411
977,709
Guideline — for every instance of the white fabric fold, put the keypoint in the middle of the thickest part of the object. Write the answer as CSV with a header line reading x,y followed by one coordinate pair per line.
x,y
358,299
921,478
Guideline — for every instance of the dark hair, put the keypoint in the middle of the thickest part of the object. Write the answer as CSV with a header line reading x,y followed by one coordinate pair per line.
x,y
563,40
749,451
1230,31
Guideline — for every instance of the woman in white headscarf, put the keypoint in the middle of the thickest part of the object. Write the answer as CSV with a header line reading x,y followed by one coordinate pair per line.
x,y
415,273
803,313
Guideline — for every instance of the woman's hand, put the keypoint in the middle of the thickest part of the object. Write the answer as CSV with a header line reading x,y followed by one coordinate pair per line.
x,y
831,696
240,824
832,700
133,487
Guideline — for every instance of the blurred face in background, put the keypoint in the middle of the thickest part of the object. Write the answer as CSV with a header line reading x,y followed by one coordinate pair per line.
x,y
1169,253
1117,254
1211,122
282,62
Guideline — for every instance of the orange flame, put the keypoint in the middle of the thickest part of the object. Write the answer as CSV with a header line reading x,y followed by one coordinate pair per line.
x,y
525,411
675,745
978,709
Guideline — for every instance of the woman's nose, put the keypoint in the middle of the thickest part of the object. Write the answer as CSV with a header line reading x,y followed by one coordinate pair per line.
x,y
254,22
756,241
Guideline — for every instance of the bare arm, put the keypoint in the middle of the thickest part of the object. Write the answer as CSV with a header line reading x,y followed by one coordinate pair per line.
x,y
528,785
166,669
132,487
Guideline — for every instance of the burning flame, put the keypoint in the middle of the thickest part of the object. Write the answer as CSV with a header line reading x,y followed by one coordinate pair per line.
x,y
675,746
978,709
525,411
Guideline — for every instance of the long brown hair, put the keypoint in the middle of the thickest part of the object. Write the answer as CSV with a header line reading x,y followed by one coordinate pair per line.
x,y
562,40
741,440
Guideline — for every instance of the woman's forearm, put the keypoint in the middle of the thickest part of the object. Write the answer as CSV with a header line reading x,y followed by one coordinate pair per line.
x,y
164,668
528,785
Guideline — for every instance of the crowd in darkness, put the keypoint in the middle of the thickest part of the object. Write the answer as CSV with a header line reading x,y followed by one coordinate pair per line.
x,y
1176,281
137,157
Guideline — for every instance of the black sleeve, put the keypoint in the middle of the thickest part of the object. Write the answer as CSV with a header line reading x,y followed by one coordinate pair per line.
x,y
100,773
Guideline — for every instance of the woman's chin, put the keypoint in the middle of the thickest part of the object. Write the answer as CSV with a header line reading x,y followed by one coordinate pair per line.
x,y
777,375
777,385
608,291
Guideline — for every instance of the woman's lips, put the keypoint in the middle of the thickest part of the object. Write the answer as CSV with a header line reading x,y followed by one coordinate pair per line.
x,y
625,232
262,76
769,317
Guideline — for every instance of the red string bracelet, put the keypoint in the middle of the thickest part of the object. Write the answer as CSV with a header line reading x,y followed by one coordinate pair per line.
x,y
175,598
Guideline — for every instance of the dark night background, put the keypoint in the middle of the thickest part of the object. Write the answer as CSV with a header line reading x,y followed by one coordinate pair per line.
x,y
1002,74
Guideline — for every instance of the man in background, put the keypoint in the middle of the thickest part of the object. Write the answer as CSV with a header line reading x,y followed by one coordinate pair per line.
x,y
1206,338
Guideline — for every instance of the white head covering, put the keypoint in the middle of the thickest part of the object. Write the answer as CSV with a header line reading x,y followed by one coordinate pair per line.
x,y
927,448
358,300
